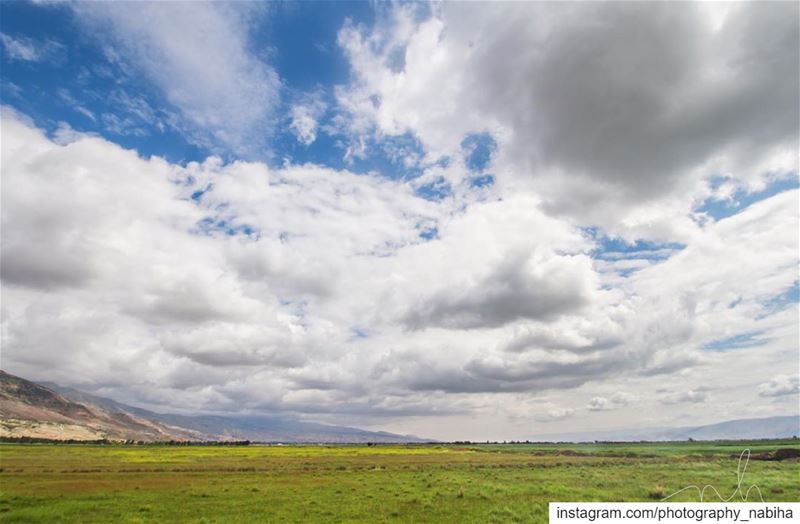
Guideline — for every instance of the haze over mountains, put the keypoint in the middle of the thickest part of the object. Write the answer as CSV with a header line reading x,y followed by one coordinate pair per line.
x,y
55,412
755,428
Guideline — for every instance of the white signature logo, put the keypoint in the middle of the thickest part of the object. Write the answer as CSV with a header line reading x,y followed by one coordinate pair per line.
x,y
740,470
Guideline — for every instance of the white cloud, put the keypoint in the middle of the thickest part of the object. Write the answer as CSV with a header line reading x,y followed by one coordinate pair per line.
x,y
305,117
620,399
503,273
29,50
691,396
597,404
780,385
198,55
617,122
235,286
555,414
119,277
250,296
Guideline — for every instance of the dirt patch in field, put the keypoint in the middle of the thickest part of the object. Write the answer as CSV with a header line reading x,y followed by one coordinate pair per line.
x,y
778,454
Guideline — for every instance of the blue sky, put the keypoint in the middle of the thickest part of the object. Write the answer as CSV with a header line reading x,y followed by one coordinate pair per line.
x,y
404,212
82,79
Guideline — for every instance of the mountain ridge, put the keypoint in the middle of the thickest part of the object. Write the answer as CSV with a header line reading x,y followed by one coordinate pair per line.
x,y
738,429
48,410
30,409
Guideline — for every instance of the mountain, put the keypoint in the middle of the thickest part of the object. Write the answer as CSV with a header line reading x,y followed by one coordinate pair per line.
x,y
742,429
250,427
29,409
51,411
753,428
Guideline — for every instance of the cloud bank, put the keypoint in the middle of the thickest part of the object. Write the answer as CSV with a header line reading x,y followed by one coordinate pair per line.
x,y
595,217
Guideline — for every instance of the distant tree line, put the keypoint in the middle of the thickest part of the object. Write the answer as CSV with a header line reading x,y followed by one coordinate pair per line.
x,y
193,442
130,442
38,440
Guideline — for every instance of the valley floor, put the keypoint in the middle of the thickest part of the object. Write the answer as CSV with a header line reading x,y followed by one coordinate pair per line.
x,y
414,483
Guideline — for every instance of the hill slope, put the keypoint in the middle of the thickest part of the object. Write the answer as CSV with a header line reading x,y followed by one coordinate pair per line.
x,y
240,427
51,411
29,409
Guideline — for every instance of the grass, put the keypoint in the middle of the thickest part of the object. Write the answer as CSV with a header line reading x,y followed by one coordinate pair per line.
x,y
431,483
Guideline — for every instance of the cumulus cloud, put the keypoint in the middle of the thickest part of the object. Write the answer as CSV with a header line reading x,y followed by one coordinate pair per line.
x,y
554,415
597,404
622,398
693,396
579,334
235,279
203,66
305,116
500,263
522,286
119,274
221,344
618,400
235,286
779,386
614,105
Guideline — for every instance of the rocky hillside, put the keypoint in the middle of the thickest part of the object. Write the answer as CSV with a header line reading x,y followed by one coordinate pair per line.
x,y
51,411
28,409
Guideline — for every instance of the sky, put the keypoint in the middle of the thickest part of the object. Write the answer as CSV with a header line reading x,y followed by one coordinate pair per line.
x,y
454,220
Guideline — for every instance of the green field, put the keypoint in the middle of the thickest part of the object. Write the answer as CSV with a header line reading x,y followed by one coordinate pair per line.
x,y
415,483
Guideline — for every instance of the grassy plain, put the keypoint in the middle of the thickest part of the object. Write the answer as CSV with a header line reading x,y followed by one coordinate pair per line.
x,y
415,483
